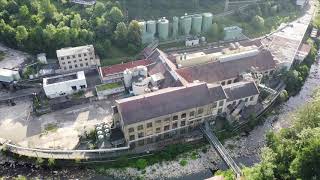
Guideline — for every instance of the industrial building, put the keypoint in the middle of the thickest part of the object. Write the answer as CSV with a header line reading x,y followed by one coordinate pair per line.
x,y
114,73
169,112
77,58
232,33
188,95
63,85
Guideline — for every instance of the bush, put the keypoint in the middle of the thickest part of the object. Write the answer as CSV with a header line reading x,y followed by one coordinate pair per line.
x,y
39,161
183,162
51,162
141,164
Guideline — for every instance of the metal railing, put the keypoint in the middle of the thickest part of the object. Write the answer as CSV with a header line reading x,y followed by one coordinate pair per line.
x,y
214,141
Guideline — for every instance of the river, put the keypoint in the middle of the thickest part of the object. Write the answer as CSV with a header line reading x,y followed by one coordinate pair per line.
x,y
245,149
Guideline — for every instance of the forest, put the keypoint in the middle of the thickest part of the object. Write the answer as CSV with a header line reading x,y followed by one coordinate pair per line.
x,y
43,26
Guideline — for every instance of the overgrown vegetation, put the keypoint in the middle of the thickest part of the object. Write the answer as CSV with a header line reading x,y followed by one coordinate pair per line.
x,y
256,20
293,153
170,153
295,77
45,25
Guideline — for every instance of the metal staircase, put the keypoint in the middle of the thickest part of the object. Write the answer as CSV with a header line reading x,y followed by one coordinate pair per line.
x,y
214,141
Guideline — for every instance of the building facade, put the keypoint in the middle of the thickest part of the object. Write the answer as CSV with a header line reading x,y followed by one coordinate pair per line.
x,y
169,112
63,85
77,58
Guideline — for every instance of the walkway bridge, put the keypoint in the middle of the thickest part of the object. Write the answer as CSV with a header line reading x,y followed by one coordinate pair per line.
x,y
214,141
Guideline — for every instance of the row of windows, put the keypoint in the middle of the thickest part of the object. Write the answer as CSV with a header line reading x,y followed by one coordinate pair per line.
x,y
75,61
74,56
76,66
182,116
245,100
165,128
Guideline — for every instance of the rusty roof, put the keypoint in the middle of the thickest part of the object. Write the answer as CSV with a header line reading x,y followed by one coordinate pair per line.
x,y
167,101
218,71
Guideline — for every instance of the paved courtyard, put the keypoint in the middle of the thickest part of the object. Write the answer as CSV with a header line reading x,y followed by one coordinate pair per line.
x,y
68,124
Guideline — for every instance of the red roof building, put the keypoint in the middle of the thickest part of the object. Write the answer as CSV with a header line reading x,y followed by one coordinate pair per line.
x,y
115,72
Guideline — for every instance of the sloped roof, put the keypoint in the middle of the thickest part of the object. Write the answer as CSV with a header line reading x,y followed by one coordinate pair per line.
x,y
219,71
240,90
167,101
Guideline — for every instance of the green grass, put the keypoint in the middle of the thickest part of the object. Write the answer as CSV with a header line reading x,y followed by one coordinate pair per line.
x,y
104,87
51,127
117,56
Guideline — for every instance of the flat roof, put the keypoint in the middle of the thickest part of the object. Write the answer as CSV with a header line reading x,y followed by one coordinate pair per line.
x,y
63,78
73,50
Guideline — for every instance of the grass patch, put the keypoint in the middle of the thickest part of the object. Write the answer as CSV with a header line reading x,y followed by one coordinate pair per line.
x,y
51,127
104,87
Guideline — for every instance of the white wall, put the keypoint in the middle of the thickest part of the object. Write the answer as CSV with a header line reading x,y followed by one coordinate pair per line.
x,y
63,88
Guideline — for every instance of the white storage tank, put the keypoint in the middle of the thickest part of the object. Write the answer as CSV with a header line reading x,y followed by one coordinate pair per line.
x,y
207,19
163,28
139,86
185,24
196,24
175,26
142,70
151,27
127,77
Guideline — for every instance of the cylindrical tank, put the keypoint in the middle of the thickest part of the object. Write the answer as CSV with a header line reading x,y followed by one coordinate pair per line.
x,y
101,137
99,128
151,27
175,26
163,28
143,71
206,21
143,27
139,86
107,130
127,77
196,24
185,24
99,132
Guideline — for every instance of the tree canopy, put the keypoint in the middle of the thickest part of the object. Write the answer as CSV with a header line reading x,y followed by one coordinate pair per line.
x,y
46,25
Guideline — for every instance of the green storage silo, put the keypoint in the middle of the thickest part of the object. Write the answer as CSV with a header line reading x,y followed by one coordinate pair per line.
x,y
206,21
196,24
151,27
175,26
185,24
163,28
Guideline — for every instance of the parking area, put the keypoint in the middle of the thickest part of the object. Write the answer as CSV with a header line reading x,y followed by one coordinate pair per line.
x,y
14,120
60,129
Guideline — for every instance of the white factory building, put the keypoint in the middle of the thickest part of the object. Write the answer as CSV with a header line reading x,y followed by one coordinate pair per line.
x,y
63,85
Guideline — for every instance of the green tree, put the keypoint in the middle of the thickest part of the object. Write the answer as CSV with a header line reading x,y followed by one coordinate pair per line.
x,y
141,163
134,34
24,12
21,34
76,21
51,162
258,22
115,16
121,34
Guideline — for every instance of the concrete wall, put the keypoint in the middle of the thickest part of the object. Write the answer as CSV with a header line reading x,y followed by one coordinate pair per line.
x,y
64,88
